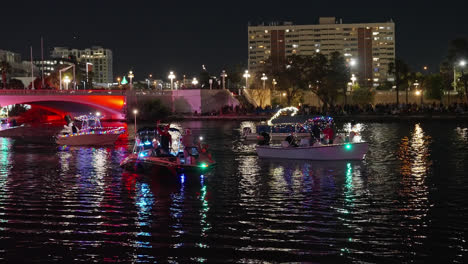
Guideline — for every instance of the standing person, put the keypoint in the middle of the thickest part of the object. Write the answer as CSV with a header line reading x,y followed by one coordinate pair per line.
x,y
329,134
316,131
166,138
190,146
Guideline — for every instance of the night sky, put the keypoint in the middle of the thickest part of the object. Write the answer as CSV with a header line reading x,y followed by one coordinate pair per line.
x,y
158,36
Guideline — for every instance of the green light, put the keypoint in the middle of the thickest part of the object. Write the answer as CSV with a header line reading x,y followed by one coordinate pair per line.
x,y
348,146
204,165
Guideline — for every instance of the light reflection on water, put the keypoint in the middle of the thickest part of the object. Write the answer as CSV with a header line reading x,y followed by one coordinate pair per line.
x,y
388,208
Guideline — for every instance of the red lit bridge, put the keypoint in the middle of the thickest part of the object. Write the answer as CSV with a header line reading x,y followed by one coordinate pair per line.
x,y
113,103
110,103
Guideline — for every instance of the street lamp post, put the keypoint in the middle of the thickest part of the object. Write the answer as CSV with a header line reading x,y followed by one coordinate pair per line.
x,y
211,83
274,84
194,82
135,112
171,77
66,80
223,76
130,76
246,76
264,78
462,66
418,92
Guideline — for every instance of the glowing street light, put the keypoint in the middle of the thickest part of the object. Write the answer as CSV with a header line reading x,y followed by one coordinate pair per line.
x,y
274,83
352,62
353,78
118,80
246,76
130,76
66,80
135,112
194,81
264,78
171,77
462,63
223,76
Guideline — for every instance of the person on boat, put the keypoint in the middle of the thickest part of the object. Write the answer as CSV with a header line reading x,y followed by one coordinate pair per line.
x,y
204,155
165,138
316,131
191,146
265,139
291,141
329,134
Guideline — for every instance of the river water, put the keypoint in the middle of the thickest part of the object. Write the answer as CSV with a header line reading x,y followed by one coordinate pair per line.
x,y
407,202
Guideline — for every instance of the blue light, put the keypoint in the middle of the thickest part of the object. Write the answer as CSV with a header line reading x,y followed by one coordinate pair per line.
x,y
143,154
147,143
182,178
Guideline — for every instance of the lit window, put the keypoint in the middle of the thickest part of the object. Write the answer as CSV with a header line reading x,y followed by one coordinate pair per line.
x,y
376,59
347,54
376,79
295,46
287,30
317,50
375,33
266,31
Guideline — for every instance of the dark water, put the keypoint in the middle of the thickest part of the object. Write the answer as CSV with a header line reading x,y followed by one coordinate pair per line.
x,y
407,202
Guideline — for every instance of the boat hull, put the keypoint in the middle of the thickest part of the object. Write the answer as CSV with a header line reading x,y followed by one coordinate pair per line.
x,y
274,136
349,151
162,166
88,140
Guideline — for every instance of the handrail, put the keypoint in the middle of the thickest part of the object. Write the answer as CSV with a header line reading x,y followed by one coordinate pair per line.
x,y
62,92
83,92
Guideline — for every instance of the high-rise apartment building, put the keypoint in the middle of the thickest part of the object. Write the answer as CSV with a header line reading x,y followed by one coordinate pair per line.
x,y
368,47
101,59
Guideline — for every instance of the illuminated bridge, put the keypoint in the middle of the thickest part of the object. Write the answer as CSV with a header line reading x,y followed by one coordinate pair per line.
x,y
113,103
61,102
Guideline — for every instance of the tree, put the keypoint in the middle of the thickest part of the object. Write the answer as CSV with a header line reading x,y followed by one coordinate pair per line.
x,y
434,86
450,70
400,70
362,95
5,68
235,75
16,84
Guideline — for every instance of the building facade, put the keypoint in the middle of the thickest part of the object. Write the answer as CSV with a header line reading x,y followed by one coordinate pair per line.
x,y
368,48
100,58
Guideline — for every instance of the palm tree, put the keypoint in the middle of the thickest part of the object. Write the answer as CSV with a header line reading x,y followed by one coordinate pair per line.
x,y
400,70
5,67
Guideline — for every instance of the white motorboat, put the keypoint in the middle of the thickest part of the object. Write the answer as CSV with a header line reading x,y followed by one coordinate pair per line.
x,y
90,134
346,151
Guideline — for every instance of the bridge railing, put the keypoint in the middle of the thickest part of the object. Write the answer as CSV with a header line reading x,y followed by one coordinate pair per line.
x,y
62,92
82,92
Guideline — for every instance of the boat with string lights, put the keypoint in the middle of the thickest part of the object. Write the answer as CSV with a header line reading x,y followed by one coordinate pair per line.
x,y
91,132
148,156
313,143
343,151
276,131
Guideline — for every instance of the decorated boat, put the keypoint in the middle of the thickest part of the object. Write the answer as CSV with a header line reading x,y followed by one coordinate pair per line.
x,y
148,156
91,132
344,151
